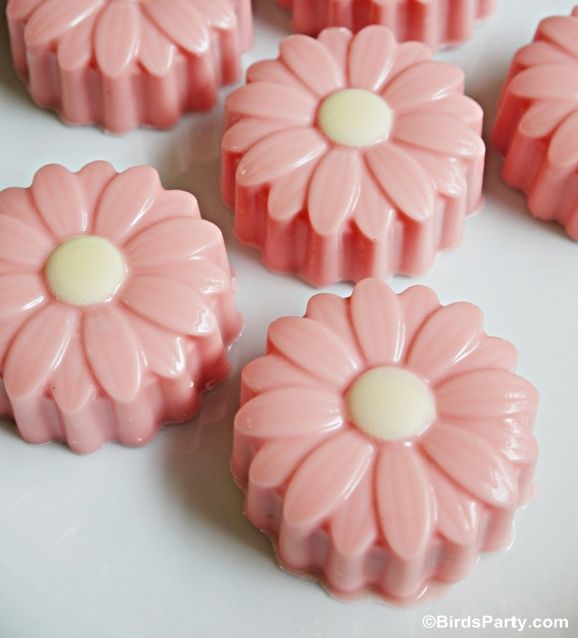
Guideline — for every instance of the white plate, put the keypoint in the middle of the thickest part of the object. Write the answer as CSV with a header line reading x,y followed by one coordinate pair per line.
x,y
151,543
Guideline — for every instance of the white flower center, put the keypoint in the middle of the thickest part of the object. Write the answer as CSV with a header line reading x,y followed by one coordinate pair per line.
x,y
85,270
355,117
390,404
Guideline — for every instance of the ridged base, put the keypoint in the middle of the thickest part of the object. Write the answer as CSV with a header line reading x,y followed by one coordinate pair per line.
x,y
437,23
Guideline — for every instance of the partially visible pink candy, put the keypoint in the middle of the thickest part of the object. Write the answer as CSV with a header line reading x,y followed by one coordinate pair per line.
x,y
537,124
435,22
121,65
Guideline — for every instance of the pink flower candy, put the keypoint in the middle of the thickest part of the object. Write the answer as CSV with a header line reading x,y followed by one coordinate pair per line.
x,y
537,123
352,156
384,441
125,64
117,306
435,22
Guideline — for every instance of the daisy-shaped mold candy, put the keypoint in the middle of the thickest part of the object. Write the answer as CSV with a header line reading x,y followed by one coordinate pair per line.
x,y
127,63
537,124
352,156
384,441
435,22
116,306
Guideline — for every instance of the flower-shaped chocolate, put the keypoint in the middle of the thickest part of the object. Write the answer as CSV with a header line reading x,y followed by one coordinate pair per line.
x,y
352,156
384,440
126,63
537,123
116,307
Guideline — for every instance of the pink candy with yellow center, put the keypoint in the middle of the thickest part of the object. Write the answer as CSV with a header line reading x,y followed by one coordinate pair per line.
x,y
352,156
117,306
384,441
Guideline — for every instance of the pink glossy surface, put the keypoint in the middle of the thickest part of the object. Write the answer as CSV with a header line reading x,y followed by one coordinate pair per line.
x,y
331,212
126,64
537,124
119,370
435,22
393,517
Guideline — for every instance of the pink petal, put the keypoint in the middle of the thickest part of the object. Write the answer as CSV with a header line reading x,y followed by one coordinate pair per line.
x,y
166,205
374,213
75,46
336,40
247,132
93,179
125,201
486,393
378,322
354,525
156,52
448,336
59,198
512,437
546,82
312,64
460,107
457,512
21,292
326,479
288,195
417,303
272,372
199,274
279,154
334,190
291,412
562,31
163,350
422,83
181,22
275,72
403,500
408,55
117,38
314,348
563,150
333,311
404,180
446,172
473,464
491,352
113,352
170,304
277,460
7,333
21,9
543,117
37,350
439,133
220,14
272,102
171,241
371,57
540,52
17,203
23,244
54,17
72,383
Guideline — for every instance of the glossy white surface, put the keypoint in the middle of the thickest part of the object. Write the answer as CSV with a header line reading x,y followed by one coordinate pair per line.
x,y
151,543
